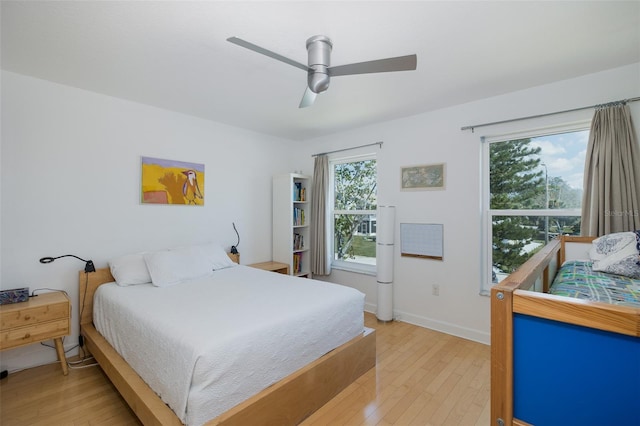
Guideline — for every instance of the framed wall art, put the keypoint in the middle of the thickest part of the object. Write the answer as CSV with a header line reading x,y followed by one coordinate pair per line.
x,y
172,182
423,177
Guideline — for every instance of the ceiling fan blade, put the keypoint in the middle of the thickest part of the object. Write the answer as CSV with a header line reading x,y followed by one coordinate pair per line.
x,y
400,63
308,98
262,50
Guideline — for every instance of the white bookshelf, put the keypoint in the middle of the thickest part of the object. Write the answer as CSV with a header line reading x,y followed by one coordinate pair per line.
x,y
287,231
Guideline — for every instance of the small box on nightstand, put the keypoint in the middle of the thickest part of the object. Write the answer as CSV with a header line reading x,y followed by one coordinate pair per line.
x,y
15,295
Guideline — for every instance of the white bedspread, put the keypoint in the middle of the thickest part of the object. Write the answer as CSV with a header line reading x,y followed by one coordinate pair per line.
x,y
208,344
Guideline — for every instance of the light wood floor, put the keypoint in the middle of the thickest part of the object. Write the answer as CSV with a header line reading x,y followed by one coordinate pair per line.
x,y
422,377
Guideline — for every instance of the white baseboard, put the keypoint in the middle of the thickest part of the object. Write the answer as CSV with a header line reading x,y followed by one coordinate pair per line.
x,y
444,327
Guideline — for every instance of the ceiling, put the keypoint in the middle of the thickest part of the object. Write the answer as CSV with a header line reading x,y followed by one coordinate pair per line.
x,y
174,55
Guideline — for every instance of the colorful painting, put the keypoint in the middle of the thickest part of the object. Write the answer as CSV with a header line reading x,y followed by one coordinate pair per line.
x,y
172,182
425,177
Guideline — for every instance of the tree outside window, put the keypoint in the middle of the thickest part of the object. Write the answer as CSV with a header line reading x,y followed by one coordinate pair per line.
x,y
534,194
354,211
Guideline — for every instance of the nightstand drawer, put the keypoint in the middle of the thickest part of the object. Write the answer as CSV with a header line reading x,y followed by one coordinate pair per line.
x,y
33,315
34,333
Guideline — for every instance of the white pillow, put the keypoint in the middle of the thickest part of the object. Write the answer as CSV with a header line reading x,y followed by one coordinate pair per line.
x,y
170,267
130,270
216,257
610,244
616,254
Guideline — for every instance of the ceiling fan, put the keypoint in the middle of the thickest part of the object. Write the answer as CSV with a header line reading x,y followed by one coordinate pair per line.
x,y
319,71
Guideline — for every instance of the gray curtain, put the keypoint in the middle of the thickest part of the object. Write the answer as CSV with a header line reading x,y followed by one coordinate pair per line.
x,y
320,263
610,202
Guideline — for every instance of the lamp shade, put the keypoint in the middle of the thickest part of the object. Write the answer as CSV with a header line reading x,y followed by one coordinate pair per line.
x,y
385,226
385,229
384,263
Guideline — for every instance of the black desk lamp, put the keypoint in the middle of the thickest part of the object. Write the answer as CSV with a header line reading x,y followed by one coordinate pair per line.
x,y
88,267
234,249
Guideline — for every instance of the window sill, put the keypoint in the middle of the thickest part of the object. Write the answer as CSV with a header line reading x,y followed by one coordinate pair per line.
x,y
357,268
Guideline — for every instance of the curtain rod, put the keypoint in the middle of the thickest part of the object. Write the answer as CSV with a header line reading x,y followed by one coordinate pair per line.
x,y
348,149
623,101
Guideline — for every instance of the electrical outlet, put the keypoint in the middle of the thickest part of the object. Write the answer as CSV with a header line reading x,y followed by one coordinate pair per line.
x,y
435,290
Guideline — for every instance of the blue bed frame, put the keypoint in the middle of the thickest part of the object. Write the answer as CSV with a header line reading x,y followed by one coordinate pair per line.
x,y
566,374
557,360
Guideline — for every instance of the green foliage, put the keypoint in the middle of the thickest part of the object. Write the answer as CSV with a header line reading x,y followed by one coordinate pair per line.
x,y
518,181
515,184
561,195
510,235
363,246
356,185
355,189
514,181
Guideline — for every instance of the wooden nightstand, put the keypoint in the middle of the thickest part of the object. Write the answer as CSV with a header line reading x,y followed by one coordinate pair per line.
x,y
43,317
281,268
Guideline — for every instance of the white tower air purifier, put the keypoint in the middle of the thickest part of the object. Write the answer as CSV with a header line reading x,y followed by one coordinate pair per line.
x,y
386,216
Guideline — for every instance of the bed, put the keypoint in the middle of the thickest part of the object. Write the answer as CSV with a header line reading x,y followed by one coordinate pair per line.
x,y
218,387
567,358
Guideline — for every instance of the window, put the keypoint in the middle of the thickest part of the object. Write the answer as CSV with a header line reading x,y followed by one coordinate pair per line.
x,y
354,198
532,193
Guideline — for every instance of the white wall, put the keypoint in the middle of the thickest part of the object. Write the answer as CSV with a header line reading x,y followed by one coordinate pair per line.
x,y
436,137
70,168
71,185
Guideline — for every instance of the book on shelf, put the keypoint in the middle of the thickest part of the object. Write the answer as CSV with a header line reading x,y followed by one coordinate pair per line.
x,y
299,192
298,242
297,263
298,217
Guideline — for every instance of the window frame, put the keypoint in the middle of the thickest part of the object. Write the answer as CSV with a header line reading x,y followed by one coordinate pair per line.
x,y
343,265
488,213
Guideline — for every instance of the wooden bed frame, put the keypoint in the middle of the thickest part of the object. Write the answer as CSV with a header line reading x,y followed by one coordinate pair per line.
x,y
517,302
288,401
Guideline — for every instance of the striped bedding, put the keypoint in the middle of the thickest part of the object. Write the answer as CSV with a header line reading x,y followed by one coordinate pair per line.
x,y
577,279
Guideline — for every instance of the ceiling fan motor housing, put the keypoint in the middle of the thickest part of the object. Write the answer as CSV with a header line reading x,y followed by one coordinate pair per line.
x,y
319,50
318,69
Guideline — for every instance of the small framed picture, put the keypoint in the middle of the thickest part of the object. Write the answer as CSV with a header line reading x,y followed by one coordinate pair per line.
x,y
423,178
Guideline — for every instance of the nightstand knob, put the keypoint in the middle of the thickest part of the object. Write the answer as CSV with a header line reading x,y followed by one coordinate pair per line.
x,y
27,317
26,336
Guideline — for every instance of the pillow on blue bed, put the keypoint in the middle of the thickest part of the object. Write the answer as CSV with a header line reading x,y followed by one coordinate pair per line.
x,y
130,270
616,253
